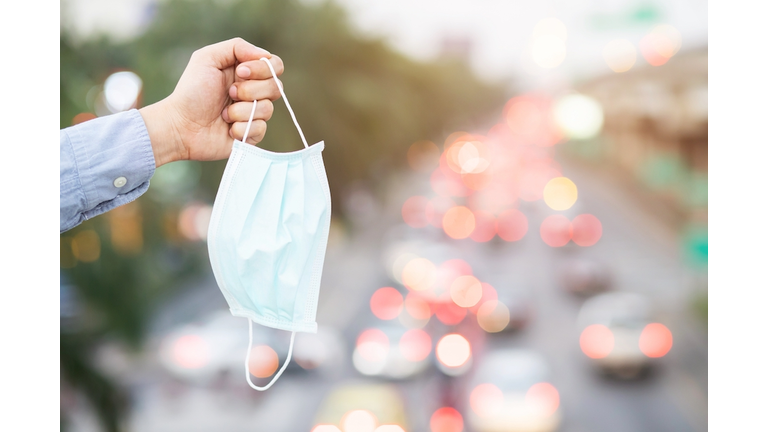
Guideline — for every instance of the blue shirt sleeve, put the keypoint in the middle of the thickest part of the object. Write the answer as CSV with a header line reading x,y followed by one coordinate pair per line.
x,y
105,163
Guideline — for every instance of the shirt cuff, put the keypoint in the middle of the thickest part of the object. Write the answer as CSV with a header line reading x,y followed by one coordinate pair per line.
x,y
114,159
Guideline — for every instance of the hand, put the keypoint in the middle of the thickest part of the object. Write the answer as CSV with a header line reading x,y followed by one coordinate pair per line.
x,y
211,103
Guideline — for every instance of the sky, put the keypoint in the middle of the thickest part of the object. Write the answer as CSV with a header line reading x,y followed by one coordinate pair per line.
x,y
497,35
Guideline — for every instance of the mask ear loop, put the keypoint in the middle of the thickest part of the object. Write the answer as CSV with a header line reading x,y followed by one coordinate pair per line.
x,y
288,105
248,357
285,99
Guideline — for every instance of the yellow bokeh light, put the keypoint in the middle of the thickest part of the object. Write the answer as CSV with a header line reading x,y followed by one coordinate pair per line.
x,y
458,222
560,193
466,291
493,316
419,274
620,55
86,246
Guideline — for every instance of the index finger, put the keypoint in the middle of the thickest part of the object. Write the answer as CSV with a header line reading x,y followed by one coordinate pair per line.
x,y
256,69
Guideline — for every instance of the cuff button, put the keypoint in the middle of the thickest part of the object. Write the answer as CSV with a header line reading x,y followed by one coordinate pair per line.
x,y
120,182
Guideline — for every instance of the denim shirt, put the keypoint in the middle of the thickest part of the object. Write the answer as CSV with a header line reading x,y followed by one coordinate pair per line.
x,y
105,163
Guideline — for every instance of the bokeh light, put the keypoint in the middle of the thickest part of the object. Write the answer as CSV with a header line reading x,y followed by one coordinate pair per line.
x,y
453,350
560,193
386,303
373,345
446,419
419,274
86,246
660,44
493,316
417,307
596,341
449,313
548,43
389,428
620,55
655,340
485,227
263,361
415,345
556,230
543,398
489,293
459,222
436,208
325,428
121,90
486,400
466,291
511,225
423,156
190,352
414,211
194,220
579,116
529,119
587,229
359,421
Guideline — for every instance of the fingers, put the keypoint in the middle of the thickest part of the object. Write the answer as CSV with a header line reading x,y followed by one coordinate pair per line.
x,y
254,90
240,111
257,69
255,135
227,53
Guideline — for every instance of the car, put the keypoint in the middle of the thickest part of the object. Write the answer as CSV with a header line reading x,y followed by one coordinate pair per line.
x,y
512,391
362,405
583,277
619,335
215,347
390,350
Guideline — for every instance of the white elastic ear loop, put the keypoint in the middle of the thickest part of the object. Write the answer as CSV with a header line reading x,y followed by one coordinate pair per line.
x,y
250,119
285,98
248,357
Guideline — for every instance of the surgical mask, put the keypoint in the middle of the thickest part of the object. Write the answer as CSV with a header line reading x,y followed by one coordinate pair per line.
x,y
268,235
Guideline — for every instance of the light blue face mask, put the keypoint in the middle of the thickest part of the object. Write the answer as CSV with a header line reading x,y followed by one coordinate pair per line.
x,y
268,235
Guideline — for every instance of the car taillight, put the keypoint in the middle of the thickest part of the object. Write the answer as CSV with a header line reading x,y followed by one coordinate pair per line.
x,y
543,398
596,341
486,400
655,340
446,419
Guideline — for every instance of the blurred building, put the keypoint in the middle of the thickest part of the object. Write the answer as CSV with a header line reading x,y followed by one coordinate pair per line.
x,y
655,132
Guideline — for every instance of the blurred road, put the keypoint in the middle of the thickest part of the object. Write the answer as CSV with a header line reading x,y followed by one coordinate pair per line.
x,y
640,251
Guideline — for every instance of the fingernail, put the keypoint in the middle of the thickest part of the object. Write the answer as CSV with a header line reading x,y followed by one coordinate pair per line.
x,y
243,72
233,92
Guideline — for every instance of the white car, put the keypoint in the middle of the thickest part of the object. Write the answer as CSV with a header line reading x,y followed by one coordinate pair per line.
x,y
511,391
215,348
618,333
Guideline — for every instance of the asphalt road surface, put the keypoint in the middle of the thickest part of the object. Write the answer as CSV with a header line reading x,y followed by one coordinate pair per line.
x,y
642,253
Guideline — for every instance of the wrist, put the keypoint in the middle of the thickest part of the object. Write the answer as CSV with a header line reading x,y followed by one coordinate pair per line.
x,y
166,142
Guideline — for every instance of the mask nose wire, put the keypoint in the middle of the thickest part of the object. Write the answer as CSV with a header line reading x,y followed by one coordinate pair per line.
x,y
287,105
248,357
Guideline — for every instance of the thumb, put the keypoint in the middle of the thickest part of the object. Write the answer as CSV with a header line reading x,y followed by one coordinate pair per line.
x,y
226,54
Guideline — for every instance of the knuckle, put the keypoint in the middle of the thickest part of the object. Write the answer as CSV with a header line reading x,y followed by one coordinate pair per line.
x,y
260,127
268,108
